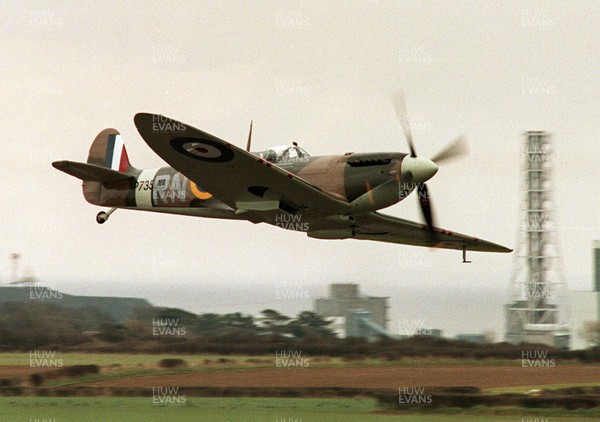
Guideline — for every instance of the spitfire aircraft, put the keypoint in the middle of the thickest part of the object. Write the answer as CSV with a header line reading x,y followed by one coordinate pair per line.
x,y
328,197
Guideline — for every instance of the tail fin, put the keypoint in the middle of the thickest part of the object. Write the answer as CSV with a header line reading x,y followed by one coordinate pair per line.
x,y
108,150
107,163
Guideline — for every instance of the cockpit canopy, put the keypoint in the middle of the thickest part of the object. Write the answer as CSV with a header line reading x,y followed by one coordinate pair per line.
x,y
284,153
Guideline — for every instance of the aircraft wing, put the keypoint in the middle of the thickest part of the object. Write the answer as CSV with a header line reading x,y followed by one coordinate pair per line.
x,y
385,228
241,180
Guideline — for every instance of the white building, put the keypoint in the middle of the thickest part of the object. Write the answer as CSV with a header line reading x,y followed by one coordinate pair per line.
x,y
585,305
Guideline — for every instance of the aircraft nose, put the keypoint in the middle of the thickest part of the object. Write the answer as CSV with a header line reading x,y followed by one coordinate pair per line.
x,y
418,169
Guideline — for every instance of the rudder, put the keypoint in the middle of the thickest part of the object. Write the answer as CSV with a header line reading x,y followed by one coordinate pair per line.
x,y
108,150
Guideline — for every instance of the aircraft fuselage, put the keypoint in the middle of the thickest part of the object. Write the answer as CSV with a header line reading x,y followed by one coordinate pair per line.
x,y
345,177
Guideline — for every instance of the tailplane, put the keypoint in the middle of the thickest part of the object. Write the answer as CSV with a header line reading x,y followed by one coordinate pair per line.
x,y
107,164
90,172
107,160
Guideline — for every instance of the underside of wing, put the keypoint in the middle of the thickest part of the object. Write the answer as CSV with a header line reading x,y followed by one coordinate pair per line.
x,y
241,180
385,228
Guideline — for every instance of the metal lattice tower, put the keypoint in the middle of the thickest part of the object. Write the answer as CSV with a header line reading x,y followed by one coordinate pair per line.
x,y
15,267
537,284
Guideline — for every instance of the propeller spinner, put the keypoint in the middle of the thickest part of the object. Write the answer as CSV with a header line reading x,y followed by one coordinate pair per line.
x,y
418,170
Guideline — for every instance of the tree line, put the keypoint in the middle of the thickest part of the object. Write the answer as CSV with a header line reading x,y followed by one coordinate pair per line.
x,y
42,326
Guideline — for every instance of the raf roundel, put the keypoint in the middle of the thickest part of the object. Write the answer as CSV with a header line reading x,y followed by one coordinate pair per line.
x,y
199,192
202,149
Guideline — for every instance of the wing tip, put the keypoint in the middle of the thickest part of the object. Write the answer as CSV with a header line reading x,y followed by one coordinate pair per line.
x,y
60,164
498,248
157,122
143,116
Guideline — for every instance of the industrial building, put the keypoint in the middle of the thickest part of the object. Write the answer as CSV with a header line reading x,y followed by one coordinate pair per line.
x,y
356,315
585,305
119,309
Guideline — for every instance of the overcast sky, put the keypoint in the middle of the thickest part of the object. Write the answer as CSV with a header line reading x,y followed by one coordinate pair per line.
x,y
320,73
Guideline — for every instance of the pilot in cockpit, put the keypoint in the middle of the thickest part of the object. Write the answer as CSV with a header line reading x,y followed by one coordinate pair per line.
x,y
284,153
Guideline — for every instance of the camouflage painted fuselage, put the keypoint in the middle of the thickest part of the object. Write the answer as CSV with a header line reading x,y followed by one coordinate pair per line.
x,y
345,177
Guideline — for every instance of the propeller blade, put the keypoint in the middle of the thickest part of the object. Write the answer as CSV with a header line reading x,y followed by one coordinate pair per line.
x,y
422,168
400,106
249,137
456,149
426,208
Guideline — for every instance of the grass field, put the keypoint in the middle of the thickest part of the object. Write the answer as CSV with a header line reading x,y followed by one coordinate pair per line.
x,y
139,370
108,409
104,359
142,371
128,359
244,361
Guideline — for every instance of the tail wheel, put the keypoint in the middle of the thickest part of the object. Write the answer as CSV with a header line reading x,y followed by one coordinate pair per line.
x,y
101,217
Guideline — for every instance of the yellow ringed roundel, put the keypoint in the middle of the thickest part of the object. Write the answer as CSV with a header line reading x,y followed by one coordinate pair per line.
x,y
198,192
